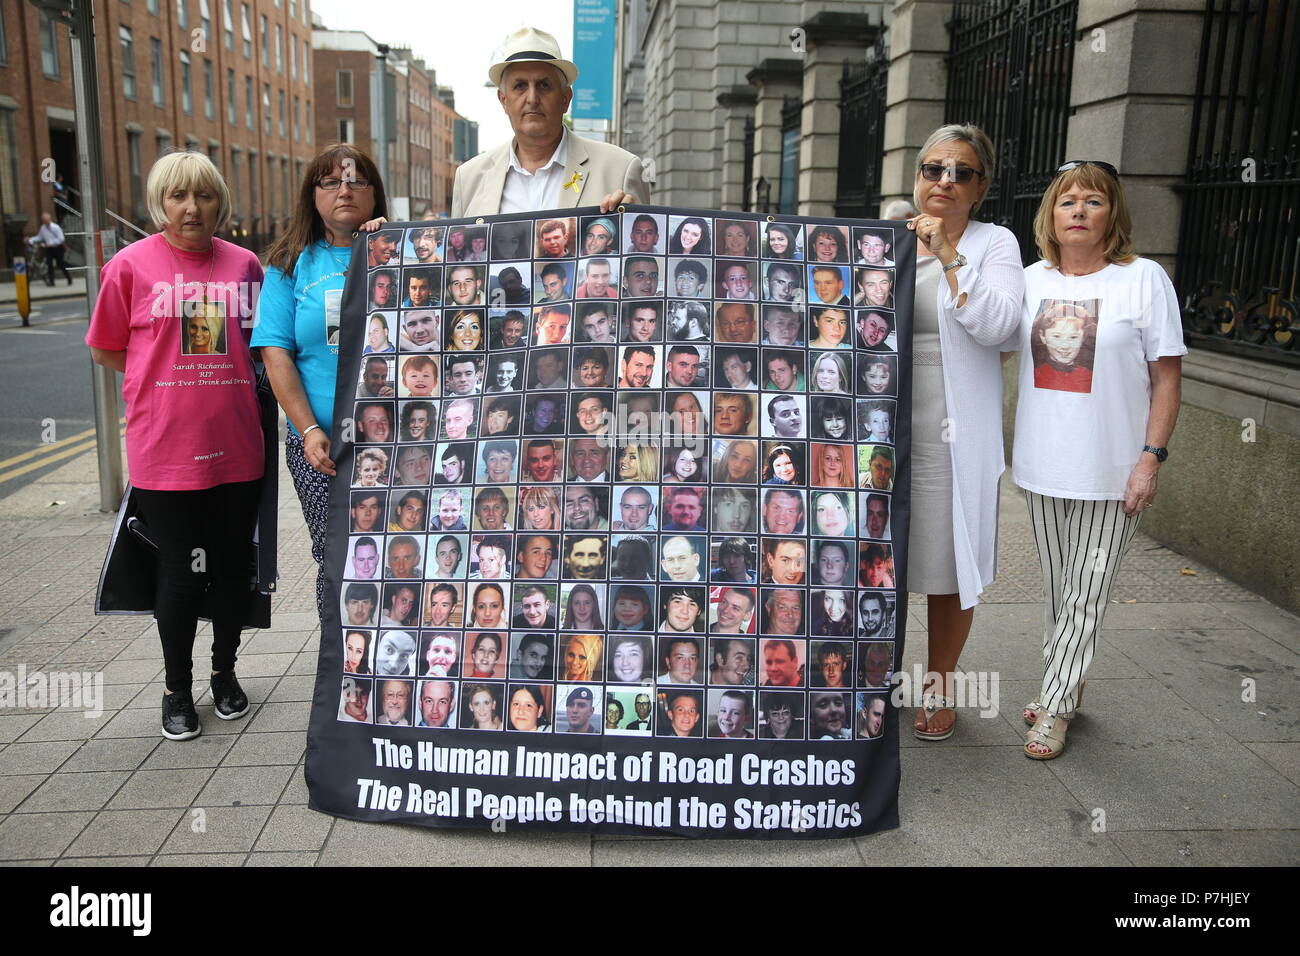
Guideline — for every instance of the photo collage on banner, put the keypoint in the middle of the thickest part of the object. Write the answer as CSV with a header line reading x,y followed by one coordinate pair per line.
x,y
626,474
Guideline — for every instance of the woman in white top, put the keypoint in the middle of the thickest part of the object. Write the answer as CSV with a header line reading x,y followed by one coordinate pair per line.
x,y
969,287
1100,370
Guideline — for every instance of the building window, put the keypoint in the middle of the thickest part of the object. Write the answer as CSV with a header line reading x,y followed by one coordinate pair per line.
x,y
345,89
137,176
280,98
228,24
156,79
4,44
345,130
245,25
9,196
293,9
232,108
49,44
152,7
187,98
306,58
205,19
253,171
265,35
163,142
266,108
214,154
306,113
297,112
128,62
279,49
287,191
182,15
270,181
249,112
209,91
293,57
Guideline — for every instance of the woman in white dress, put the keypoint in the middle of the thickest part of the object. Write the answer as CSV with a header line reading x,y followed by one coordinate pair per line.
x,y
969,286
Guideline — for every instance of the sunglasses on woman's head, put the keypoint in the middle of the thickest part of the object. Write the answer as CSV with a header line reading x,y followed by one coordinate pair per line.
x,y
933,172
1075,163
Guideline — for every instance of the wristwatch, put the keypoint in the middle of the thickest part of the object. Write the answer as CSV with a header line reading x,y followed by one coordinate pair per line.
x,y
955,264
1160,453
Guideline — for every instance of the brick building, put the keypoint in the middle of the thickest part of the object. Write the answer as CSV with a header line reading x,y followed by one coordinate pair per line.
x,y
417,115
231,78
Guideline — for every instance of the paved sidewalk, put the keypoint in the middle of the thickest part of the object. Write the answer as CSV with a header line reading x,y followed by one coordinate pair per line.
x,y
38,291
1166,766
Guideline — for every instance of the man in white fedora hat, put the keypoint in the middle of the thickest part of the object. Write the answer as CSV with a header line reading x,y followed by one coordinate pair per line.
x,y
545,166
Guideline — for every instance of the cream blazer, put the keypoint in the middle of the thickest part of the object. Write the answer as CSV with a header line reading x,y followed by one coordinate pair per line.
x,y
972,339
603,168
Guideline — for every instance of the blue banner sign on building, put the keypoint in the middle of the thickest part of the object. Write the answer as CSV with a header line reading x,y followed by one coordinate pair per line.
x,y
594,34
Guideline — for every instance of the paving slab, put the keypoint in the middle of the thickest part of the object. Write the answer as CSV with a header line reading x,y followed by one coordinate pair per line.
x,y
125,832
266,749
75,791
217,829
295,828
154,789
123,753
1211,847
353,842
1215,669
39,836
244,786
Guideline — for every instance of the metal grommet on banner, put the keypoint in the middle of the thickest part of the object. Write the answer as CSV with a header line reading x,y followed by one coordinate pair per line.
x,y
478,221
622,208
771,218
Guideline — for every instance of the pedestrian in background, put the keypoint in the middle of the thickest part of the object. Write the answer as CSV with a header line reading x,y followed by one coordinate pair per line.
x,y
51,237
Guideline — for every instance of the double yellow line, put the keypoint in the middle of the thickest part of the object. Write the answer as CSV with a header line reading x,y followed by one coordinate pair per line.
x,y
28,461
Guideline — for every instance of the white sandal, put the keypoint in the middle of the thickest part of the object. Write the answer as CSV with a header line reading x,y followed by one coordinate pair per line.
x,y
931,704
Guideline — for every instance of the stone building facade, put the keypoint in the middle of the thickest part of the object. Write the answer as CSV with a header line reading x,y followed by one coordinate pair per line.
x,y
740,105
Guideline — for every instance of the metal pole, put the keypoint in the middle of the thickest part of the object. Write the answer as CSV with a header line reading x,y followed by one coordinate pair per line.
x,y
381,115
90,151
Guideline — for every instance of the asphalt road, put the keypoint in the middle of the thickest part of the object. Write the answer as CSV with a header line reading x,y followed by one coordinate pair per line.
x,y
45,377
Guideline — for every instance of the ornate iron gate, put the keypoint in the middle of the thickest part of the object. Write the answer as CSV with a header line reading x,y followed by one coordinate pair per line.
x,y
1240,236
862,134
1009,69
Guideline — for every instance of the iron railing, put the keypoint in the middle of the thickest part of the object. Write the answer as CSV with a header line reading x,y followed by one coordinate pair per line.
x,y
747,174
791,131
862,134
1009,69
1239,241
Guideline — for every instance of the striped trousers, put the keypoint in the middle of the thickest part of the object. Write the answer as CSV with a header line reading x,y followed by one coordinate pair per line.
x,y
1080,545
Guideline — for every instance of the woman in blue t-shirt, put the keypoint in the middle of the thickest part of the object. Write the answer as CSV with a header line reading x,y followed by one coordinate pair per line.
x,y
298,317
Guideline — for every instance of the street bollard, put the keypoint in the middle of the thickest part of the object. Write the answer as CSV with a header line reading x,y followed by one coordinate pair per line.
x,y
20,287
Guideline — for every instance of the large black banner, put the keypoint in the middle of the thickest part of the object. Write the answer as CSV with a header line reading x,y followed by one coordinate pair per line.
x,y
620,525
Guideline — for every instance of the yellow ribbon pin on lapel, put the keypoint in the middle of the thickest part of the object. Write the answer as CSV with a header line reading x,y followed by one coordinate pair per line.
x,y
574,183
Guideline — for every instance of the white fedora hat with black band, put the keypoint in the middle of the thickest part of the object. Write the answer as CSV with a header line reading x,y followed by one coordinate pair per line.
x,y
530,45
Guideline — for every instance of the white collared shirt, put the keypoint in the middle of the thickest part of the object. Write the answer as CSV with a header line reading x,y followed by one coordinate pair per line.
x,y
525,192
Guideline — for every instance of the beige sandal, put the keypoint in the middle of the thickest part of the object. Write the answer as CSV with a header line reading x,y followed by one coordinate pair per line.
x,y
1048,731
931,704
1032,709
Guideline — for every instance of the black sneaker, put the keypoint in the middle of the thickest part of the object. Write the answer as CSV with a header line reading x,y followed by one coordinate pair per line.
x,y
180,721
228,698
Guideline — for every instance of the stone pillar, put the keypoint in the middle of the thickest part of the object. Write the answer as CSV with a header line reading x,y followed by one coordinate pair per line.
x,y
918,77
831,37
1131,92
775,79
737,106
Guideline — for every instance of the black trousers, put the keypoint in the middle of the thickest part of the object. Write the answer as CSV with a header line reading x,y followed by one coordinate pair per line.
x,y
54,255
205,541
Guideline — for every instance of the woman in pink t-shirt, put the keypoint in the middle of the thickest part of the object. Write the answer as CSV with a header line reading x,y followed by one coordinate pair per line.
x,y
173,315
